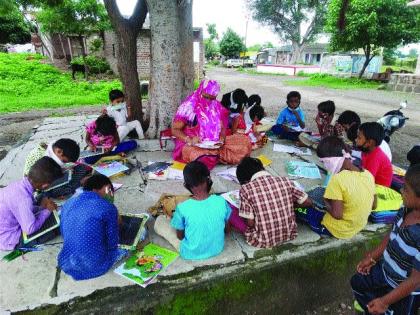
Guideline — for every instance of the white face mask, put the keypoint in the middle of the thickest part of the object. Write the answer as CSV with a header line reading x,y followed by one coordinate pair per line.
x,y
50,153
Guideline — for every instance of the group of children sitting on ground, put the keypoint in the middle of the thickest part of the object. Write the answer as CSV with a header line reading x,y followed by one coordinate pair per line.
x,y
89,221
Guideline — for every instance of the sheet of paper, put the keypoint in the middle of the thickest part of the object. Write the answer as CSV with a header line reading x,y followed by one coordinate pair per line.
x,y
277,147
209,144
229,174
175,174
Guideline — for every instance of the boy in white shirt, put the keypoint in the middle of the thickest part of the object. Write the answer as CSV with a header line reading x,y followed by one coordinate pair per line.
x,y
120,112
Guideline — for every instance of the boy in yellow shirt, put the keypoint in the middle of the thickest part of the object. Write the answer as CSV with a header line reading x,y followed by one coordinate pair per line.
x,y
350,194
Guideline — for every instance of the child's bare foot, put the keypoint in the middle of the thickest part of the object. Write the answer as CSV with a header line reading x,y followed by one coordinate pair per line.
x,y
300,144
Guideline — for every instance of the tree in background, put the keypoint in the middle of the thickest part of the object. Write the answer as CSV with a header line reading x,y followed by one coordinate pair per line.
x,y
211,48
74,17
231,44
256,47
412,53
126,33
369,25
13,27
288,18
389,56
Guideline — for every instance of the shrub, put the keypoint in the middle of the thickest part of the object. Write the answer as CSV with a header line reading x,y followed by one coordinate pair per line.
x,y
95,64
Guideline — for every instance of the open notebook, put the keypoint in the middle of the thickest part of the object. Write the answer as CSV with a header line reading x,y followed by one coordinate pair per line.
x,y
131,230
53,222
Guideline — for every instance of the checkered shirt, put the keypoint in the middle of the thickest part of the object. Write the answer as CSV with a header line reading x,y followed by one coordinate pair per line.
x,y
270,202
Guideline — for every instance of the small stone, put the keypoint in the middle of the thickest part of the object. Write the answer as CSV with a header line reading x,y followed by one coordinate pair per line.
x,y
349,307
326,309
343,306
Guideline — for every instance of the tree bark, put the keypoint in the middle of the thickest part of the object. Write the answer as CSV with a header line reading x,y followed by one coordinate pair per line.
x,y
126,33
368,59
172,68
297,50
82,44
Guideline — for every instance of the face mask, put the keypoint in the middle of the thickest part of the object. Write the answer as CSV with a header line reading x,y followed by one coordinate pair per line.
x,y
363,148
335,164
109,198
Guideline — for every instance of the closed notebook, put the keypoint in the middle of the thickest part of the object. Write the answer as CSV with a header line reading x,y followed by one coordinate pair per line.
x,y
53,222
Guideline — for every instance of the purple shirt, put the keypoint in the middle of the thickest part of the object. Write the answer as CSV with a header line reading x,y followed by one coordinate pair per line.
x,y
18,213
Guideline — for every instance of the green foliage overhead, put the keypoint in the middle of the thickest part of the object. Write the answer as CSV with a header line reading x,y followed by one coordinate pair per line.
x,y
389,56
27,83
13,28
95,64
287,17
372,24
211,29
231,44
74,17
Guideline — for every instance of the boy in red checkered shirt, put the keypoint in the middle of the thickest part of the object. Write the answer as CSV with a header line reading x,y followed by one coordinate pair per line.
x,y
267,205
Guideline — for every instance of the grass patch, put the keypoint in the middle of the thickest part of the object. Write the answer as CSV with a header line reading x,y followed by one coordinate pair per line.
x,y
332,82
26,84
398,68
255,72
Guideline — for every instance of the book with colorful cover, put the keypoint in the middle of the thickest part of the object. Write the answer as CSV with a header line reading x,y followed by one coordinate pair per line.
x,y
110,168
264,160
144,266
303,169
232,197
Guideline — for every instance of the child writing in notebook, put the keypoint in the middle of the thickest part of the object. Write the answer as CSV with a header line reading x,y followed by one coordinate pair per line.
x,y
349,196
291,119
18,212
103,133
197,228
388,278
120,111
267,204
89,226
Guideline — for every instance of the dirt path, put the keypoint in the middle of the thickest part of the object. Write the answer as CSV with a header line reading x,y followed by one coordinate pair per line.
x,y
370,104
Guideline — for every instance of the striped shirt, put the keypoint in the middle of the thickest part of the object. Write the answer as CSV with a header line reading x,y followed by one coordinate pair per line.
x,y
402,253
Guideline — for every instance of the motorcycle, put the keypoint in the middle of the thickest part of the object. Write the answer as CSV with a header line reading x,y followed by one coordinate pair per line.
x,y
393,121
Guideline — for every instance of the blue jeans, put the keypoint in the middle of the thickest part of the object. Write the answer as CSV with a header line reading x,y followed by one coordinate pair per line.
x,y
278,130
313,218
369,287
121,147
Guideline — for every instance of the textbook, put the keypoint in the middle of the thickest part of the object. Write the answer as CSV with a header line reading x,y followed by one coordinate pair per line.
x,y
144,266
52,222
131,230
232,197
264,160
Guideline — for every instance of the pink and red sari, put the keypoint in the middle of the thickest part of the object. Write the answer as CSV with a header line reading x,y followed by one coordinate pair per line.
x,y
207,119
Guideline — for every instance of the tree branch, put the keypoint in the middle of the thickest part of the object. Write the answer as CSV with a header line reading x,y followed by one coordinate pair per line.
x,y
139,14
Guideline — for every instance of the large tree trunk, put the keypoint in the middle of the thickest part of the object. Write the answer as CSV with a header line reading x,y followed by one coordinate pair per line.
x,y
171,60
126,32
297,50
368,59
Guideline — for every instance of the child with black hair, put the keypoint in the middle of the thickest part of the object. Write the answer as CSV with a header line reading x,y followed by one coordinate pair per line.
x,y
120,111
18,212
199,223
62,151
89,226
413,156
388,278
103,133
291,119
369,137
267,204
246,123
324,118
349,196
254,99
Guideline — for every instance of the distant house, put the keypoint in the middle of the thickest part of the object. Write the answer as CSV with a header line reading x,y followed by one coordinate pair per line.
x,y
311,55
62,49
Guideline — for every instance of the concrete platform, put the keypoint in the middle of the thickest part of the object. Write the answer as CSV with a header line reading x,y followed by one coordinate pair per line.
x,y
26,281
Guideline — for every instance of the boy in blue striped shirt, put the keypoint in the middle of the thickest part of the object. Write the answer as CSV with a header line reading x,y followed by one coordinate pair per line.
x,y
388,278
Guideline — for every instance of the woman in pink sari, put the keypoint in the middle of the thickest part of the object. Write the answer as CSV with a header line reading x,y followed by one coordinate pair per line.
x,y
200,118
